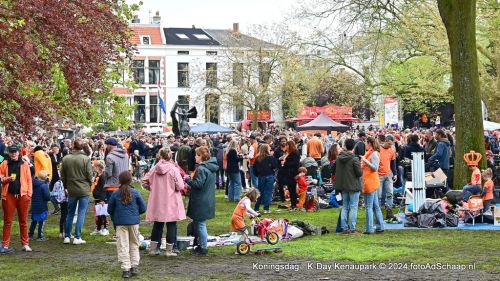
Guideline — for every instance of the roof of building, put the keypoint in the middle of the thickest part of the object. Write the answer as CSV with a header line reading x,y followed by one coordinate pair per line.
x,y
228,38
154,32
188,36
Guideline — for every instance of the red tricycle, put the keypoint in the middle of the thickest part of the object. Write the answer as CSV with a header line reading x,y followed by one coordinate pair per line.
x,y
272,238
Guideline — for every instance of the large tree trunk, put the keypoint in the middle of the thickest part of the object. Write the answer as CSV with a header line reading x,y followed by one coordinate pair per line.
x,y
459,18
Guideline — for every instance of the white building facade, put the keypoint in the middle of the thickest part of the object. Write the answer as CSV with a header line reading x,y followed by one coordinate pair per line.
x,y
185,65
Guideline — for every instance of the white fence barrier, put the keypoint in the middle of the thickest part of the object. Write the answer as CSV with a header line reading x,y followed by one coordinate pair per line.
x,y
418,180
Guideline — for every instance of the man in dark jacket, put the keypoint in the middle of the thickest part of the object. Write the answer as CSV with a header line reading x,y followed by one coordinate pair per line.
x,y
348,182
359,147
279,154
442,153
413,146
76,175
430,143
183,154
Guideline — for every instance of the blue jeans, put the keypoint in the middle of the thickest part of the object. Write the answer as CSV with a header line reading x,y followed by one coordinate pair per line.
x,y
254,179
266,192
349,209
234,189
470,190
31,232
82,209
372,206
201,228
385,191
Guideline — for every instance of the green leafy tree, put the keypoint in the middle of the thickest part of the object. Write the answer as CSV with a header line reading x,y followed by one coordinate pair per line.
x,y
54,58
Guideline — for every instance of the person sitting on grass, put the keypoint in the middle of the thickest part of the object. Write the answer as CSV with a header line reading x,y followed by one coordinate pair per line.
x,y
125,207
301,188
243,209
39,208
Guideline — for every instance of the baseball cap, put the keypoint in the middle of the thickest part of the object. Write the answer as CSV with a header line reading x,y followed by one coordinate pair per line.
x,y
111,141
13,148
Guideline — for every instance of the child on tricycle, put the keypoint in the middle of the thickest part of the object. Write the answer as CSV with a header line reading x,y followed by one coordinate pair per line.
x,y
242,210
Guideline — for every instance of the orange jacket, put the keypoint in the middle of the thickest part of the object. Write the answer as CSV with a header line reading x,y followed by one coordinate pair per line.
x,y
255,153
26,183
42,162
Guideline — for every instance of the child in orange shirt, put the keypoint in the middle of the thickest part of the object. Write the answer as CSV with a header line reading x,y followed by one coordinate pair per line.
x,y
487,194
302,187
474,187
244,209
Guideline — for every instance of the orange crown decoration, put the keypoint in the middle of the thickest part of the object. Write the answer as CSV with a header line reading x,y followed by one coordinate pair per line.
x,y
472,158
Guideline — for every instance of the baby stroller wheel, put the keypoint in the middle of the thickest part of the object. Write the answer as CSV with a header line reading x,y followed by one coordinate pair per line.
x,y
243,248
272,238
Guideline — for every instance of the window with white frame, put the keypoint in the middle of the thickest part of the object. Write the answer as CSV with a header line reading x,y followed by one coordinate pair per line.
x,y
145,40
138,71
211,74
140,110
154,72
183,74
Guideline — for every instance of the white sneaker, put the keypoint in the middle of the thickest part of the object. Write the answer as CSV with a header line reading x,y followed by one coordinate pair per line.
x,y
104,232
27,248
67,240
78,241
95,232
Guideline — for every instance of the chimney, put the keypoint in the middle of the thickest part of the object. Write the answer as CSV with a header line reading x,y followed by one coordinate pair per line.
x,y
157,18
236,28
136,19
194,27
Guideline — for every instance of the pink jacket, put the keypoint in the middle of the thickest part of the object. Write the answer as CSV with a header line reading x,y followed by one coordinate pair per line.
x,y
165,200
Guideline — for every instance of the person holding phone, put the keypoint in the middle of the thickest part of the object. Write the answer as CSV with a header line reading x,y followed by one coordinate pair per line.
x,y
17,189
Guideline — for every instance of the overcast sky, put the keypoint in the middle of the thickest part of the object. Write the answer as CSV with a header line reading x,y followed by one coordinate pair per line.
x,y
219,14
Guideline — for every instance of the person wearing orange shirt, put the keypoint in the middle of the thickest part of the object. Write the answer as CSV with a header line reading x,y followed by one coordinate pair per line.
x,y
253,152
315,147
42,161
474,187
387,173
487,193
371,183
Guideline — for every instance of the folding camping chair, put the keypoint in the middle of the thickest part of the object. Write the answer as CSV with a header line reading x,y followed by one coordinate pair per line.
x,y
474,208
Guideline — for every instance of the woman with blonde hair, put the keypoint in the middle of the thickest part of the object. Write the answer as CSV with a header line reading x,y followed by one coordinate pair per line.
x,y
371,183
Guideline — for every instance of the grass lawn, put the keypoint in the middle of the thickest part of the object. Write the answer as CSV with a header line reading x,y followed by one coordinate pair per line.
x,y
51,260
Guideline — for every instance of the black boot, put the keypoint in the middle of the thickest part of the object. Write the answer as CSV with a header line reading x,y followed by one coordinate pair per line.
x,y
126,274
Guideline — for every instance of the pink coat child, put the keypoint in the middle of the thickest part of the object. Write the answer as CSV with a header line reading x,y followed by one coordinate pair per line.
x,y
165,201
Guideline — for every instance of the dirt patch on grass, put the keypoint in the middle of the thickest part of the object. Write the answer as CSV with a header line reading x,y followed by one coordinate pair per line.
x,y
97,261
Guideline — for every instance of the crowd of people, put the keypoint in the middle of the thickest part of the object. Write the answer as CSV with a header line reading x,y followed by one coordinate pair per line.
x,y
266,165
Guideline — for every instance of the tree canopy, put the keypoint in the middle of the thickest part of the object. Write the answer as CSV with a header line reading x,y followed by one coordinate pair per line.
x,y
55,58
